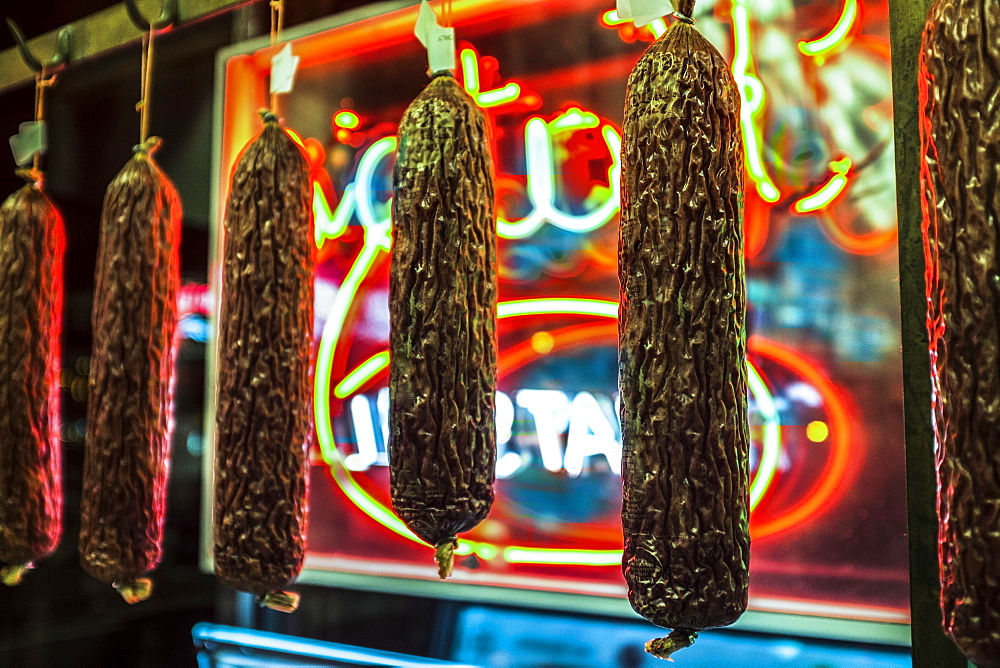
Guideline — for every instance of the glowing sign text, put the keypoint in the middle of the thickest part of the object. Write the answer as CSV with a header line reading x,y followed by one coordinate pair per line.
x,y
361,198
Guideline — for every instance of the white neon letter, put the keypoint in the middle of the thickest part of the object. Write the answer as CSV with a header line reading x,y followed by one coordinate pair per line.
x,y
365,193
508,462
590,434
545,407
364,432
382,404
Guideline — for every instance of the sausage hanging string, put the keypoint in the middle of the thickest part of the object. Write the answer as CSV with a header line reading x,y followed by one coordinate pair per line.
x,y
277,25
145,84
41,83
683,11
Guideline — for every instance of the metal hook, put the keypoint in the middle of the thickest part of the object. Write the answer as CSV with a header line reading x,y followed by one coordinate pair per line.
x,y
168,16
63,54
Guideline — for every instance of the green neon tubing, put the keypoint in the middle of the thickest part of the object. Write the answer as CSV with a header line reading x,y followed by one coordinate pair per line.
x,y
490,98
538,555
574,119
752,94
612,19
541,186
470,71
770,450
330,225
822,46
498,96
829,191
360,376
569,306
377,241
658,27
347,120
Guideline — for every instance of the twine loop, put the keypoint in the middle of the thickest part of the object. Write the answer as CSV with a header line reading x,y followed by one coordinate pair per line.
x,y
148,146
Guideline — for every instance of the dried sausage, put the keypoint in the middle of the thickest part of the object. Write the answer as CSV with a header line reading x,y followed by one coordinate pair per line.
x,y
442,301
264,420
32,242
960,178
130,390
682,344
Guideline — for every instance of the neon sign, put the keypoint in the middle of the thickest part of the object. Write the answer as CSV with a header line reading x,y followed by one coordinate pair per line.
x,y
496,97
588,434
558,181
361,197
754,111
545,405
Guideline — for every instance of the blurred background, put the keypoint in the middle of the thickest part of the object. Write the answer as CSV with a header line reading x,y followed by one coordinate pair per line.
x,y
538,583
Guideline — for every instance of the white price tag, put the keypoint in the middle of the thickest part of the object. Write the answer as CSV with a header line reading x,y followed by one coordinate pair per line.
x,y
440,42
283,67
643,11
31,138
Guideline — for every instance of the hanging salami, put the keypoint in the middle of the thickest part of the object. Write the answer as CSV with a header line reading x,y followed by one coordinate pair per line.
x,y
130,392
960,178
264,402
32,244
682,371
442,316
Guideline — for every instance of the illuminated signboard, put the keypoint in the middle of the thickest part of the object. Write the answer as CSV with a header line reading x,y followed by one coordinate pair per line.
x,y
827,487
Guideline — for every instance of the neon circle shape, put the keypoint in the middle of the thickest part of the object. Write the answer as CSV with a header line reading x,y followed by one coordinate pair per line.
x,y
823,492
766,469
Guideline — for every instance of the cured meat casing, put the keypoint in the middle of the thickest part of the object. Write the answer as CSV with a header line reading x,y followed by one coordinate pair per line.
x,y
264,422
960,181
682,345
442,301
32,243
130,391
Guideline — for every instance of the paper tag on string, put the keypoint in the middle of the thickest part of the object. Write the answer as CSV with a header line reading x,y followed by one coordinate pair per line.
x,y
643,11
440,42
31,138
283,67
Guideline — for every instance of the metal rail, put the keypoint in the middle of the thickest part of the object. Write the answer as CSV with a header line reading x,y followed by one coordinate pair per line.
x,y
98,33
